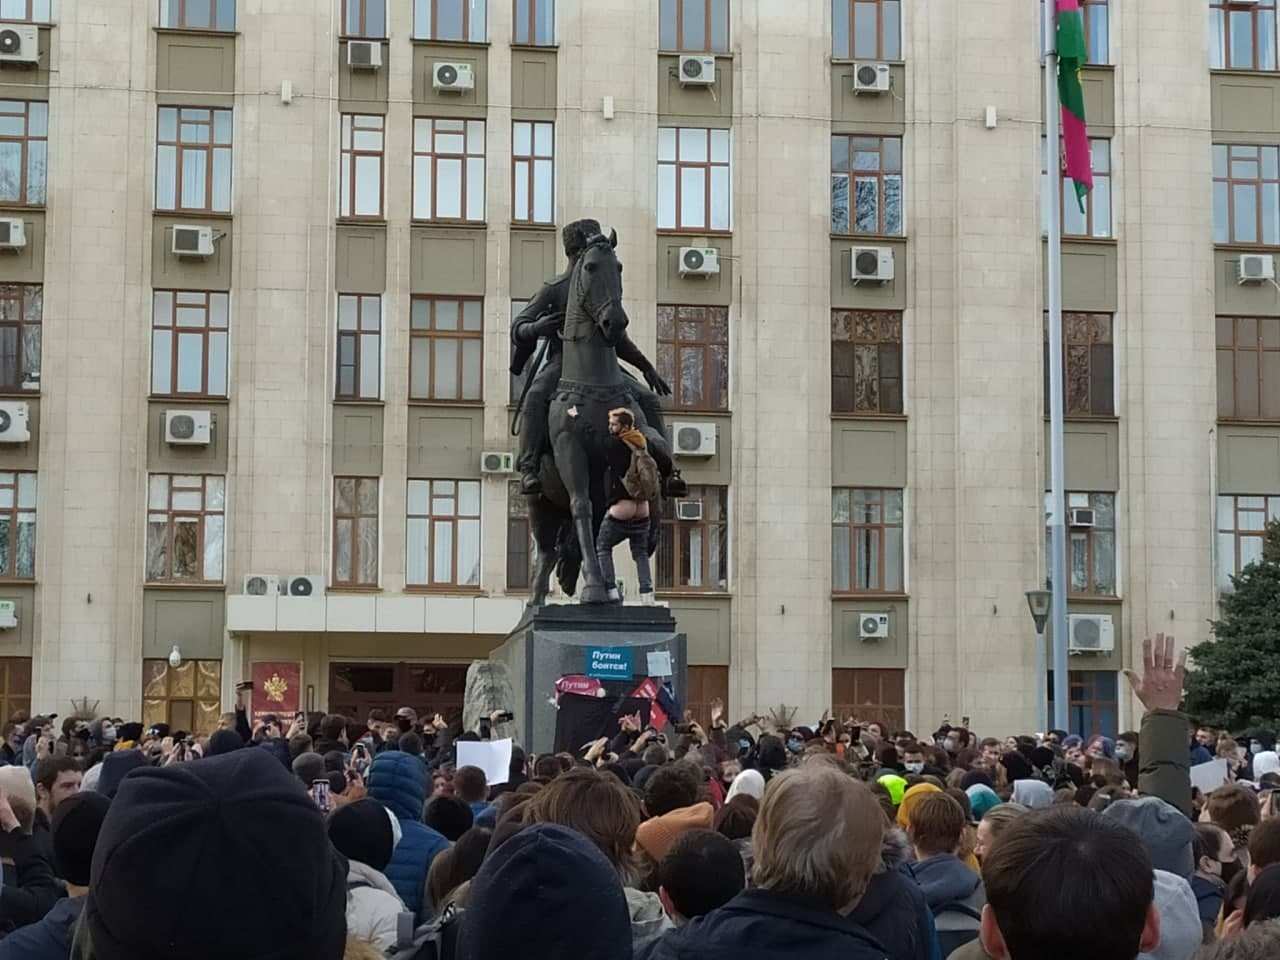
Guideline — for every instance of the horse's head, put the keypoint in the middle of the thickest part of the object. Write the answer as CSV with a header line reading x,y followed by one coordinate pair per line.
x,y
597,289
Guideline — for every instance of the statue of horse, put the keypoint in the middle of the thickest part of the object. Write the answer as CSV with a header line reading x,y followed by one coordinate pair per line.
x,y
565,517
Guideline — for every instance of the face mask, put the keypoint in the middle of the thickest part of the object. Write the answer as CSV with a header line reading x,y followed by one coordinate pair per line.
x,y
1255,746
108,733
795,746
1124,751
744,747
914,767
952,746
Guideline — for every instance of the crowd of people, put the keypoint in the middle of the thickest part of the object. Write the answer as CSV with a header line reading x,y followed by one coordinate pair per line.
x,y
326,838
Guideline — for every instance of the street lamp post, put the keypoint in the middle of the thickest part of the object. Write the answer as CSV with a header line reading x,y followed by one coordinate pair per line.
x,y
1039,602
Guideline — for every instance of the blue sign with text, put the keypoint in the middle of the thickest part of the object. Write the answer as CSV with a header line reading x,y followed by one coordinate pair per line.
x,y
609,663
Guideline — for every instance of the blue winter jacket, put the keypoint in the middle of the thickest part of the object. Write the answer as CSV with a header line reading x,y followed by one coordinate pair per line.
x,y
398,781
47,939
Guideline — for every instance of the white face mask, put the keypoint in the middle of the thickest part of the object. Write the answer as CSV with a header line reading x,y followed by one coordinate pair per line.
x,y
1123,751
914,767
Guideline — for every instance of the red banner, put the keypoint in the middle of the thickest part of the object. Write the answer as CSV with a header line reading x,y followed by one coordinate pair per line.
x,y
582,686
277,688
648,690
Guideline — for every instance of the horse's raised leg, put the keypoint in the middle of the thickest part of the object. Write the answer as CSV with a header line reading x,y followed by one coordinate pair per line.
x,y
575,471
545,520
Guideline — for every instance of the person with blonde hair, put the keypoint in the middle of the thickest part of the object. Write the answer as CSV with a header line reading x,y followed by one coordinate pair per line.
x,y
817,843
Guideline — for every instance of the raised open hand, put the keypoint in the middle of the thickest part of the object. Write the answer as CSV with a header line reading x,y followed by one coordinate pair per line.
x,y
1160,686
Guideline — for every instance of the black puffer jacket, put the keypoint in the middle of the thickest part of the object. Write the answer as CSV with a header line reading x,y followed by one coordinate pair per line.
x,y
893,910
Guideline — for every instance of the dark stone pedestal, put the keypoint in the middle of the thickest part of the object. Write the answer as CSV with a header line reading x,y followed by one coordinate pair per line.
x,y
555,641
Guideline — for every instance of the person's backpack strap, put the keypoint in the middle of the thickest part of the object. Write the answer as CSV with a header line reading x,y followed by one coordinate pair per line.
x,y
437,940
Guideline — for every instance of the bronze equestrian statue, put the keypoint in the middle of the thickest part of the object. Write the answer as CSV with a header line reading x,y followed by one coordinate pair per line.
x,y
581,315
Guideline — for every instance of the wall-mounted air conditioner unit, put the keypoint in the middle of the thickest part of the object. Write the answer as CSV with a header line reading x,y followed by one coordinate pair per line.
x,y
453,77
497,462
870,78
304,586
871,264
693,439
15,416
364,54
192,241
699,261
697,71
873,626
261,585
188,427
1091,633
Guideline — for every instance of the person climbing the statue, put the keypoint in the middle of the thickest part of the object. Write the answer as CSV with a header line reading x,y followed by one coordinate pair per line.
x,y
633,482
543,317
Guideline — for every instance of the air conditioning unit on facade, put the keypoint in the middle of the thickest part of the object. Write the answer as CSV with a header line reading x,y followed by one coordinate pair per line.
x,y
188,427
697,71
13,234
19,43
364,54
870,78
304,586
871,264
1090,633
261,585
8,614
15,416
693,439
192,241
1255,268
690,510
453,77
495,462
1080,518
873,626
699,261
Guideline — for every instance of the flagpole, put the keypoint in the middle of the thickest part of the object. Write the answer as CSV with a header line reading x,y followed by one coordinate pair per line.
x,y
1057,506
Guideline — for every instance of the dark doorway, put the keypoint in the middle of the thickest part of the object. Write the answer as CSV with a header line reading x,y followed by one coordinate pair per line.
x,y
430,688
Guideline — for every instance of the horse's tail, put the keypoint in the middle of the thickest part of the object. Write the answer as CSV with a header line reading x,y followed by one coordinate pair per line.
x,y
568,559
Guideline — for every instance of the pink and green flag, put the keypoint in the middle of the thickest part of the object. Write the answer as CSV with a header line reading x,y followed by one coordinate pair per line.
x,y
1072,53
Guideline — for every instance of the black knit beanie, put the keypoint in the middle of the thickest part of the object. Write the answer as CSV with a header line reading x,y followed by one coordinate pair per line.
x,y
76,824
224,741
235,822
362,831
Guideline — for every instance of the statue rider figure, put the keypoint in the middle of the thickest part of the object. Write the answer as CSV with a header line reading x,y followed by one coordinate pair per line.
x,y
542,317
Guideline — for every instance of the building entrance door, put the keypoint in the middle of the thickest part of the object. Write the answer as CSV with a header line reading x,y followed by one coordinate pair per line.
x,y
356,688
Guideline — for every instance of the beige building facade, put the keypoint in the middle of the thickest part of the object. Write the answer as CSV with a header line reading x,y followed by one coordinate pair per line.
x,y
378,186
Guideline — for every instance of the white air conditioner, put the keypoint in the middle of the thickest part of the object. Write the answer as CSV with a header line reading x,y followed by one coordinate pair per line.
x,y
364,54
1090,633
261,585
192,241
188,427
453,76
496,462
690,510
874,264
13,233
15,417
870,78
304,586
1080,518
693,439
873,626
19,43
697,71
1255,268
8,614
699,261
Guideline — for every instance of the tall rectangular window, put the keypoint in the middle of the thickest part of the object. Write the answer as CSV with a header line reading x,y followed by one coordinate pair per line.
x,y
1088,356
21,313
693,356
364,18
533,185
24,151
535,22
193,160
1242,34
866,29
189,343
1249,368
866,185
866,361
18,526
693,26
1246,194
866,540
446,349
360,166
1094,218
1242,528
1091,549
1092,706
1097,30
27,11
217,15
185,524
355,531
694,184
448,170
359,374
694,554
520,548
443,533
450,20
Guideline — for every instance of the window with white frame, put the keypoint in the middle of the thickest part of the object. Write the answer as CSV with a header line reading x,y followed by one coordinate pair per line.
x,y
695,189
